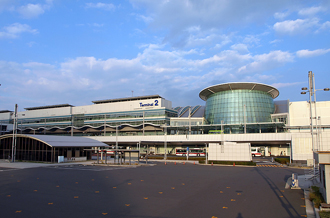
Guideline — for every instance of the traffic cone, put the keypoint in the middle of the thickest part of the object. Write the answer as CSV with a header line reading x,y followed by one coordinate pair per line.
x,y
212,163
175,163
234,164
165,162
184,163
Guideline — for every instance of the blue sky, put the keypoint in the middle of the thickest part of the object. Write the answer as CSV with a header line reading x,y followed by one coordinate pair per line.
x,y
77,51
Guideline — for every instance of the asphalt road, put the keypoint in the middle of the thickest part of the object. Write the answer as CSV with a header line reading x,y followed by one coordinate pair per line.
x,y
150,191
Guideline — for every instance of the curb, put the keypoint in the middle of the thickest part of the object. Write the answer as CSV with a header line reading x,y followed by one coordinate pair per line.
x,y
310,210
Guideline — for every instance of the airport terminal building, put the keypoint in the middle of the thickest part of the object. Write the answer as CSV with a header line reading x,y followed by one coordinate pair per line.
x,y
233,112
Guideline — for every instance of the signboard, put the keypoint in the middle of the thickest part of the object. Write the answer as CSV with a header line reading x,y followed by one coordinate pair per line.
x,y
155,103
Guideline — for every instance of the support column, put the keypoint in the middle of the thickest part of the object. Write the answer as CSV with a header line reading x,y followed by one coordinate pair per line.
x,y
266,151
51,159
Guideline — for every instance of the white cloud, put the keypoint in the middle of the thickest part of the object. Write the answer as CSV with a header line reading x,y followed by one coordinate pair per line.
x,y
219,41
33,10
206,38
281,85
308,53
311,11
220,45
266,62
281,15
14,30
222,41
324,26
146,19
178,17
100,5
275,41
251,39
240,47
154,70
294,27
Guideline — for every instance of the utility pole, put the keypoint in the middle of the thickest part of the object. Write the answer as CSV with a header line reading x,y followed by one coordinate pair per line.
x,y
165,142
189,121
13,150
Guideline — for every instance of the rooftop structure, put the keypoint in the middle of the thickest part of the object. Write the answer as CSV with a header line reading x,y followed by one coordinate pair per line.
x,y
239,103
48,107
127,99
205,93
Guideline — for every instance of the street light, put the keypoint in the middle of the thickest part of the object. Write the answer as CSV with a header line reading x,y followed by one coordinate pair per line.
x,y
13,151
312,93
165,141
116,152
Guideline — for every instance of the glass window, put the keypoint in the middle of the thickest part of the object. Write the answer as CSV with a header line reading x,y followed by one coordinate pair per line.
x,y
229,106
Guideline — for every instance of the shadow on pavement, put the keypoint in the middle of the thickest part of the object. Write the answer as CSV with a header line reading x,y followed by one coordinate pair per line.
x,y
284,201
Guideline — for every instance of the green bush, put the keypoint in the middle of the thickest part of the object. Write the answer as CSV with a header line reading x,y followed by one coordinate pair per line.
x,y
246,163
202,160
316,196
175,158
282,160
324,214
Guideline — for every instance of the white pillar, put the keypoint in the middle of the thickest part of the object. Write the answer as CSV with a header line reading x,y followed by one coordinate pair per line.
x,y
266,151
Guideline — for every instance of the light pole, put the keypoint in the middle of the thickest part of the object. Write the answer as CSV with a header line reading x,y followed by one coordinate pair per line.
x,y
165,142
116,152
13,151
311,89
189,121
206,151
312,97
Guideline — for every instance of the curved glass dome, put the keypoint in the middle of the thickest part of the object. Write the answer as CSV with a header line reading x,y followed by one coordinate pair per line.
x,y
239,104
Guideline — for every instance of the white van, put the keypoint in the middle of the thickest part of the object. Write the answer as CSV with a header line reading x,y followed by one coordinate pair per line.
x,y
255,151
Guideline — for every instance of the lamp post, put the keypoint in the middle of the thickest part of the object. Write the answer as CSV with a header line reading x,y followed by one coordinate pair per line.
x,y
312,97
311,89
116,152
165,142
206,153
13,151
189,121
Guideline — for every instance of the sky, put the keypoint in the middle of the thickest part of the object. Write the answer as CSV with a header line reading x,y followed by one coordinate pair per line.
x,y
75,52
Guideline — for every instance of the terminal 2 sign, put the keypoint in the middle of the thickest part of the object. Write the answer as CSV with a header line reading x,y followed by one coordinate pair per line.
x,y
155,103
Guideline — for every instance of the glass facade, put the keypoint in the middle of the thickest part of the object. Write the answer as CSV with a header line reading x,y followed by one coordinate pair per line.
x,y
84,124
156,116
239,106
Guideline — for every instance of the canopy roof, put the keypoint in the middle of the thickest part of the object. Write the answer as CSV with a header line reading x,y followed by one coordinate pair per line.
x,y
63,141
205,93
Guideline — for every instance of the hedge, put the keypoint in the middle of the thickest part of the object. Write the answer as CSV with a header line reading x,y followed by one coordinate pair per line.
x,y
282,160
316,196
246,163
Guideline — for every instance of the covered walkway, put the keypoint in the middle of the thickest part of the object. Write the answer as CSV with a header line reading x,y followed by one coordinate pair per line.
x,y
47,148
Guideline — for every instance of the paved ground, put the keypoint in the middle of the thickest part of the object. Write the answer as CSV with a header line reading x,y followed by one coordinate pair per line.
x,y
149,191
